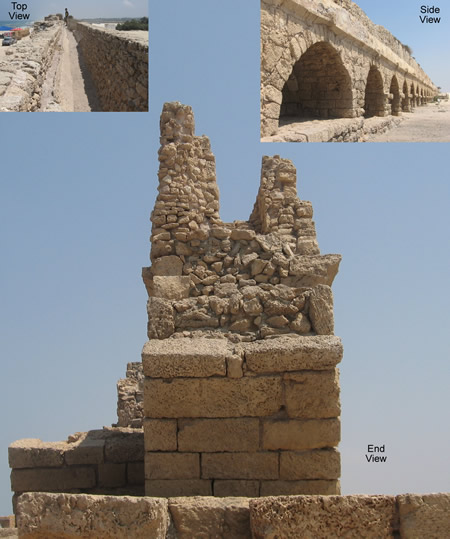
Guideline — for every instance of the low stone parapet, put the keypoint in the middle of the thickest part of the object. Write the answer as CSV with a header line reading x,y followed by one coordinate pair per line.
x,y
108,461
65,516
118,65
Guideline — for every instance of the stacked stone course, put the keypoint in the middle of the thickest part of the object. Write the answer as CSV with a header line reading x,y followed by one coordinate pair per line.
x,y
241,392
118,65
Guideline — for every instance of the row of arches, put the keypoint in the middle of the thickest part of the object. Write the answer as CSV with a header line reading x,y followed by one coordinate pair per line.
x,y
320,86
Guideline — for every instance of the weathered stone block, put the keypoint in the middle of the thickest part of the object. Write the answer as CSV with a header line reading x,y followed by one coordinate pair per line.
x,y
212,397
185,358
321,310
426,515
312,394
210,517
33,453
285,354
52,479
314,270
135,473
111,475
161,323
178,487
212,435
238,487
88,451
128,447
321,517
317,464
172,466
291,488
160,434
47,516
168,265
171,287
240,466
300,435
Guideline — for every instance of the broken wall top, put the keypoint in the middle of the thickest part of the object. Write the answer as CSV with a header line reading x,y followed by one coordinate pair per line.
x,y
244,280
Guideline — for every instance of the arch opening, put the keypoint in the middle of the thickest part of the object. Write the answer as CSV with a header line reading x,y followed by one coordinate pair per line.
x,y
318,87
375,100
395,101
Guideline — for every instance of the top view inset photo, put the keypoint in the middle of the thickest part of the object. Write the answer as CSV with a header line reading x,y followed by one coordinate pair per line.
x,y
343,71
74,56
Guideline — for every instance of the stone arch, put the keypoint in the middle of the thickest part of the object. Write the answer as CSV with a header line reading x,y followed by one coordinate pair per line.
x,y
374,100
395,100
319,86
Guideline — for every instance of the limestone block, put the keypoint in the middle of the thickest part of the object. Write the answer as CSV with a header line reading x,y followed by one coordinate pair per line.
x,y
291,488
314,270
185,358
322,517
212,397
321,310
178,487
88,451
426,515
111,475
125,448
312,394
135,473
207,517
34,453
160,434
237,487
172,466
300,435
52,479
171,287
317,464
285,354
168,266
212,435
240,465
161,323
64,516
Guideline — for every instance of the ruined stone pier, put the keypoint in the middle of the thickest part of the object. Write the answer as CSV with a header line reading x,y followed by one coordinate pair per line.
x,y
241,395
328,60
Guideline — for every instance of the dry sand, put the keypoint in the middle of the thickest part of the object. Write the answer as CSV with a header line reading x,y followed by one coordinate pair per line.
x,y
429,123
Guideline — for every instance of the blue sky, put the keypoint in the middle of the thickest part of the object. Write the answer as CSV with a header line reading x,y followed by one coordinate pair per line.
x,y
38,9
76,192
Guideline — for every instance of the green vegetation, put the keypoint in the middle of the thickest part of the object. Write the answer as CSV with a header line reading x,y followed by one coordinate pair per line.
x,y
134,24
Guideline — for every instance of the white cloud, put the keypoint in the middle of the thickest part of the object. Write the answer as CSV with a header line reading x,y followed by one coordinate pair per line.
x,y
128,3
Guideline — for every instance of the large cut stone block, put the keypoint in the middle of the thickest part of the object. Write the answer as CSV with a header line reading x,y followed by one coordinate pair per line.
x,y
291,488
171,287
322,517
168,265
212,397
321,310
312,394
160,434
185,358
240,465
317,464
314,270
285,354
52,479
426,515
210,517
300,434
212,435
88,451
126,448
172,466
66,516
178,487
33,453
237,487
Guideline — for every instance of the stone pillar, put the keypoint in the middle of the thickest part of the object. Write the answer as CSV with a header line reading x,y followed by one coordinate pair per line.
x,y
241,391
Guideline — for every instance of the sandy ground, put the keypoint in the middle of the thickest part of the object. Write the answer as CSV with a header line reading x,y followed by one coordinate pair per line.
x,y
67,87
429,123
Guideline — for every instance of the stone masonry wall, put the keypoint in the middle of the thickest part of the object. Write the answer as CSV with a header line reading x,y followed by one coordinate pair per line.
x,y
329,60
108,461
118,65
130,397
408,516
241,395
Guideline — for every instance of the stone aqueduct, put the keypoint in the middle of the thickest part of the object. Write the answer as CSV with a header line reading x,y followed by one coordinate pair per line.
x,y
327,59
